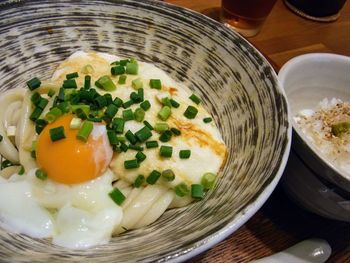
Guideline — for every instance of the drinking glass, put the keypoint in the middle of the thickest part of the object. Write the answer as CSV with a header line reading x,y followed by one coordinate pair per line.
x,y
245,16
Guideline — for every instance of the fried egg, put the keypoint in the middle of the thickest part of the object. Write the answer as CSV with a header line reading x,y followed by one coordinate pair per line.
x,y
73,206
204,140
72,161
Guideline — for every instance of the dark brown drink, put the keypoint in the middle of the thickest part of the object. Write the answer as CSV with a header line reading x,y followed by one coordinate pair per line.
x,y
246,16
322,10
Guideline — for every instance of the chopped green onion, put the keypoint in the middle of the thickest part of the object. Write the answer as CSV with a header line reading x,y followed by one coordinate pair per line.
x,y
83,107
153,177
139,181
35,114
340,128
61,94
33,154
135,147
41,174
197,191
131,164
139,114
143,134
105,83
137,83
155,84
140,92
53,114
57,133
87,82
164,113
174,103
208,180
166,102
207,120
195,99
128,115
74,98
5,164
69,84
145,105
40,125
87,95
97,113
117,196
123,147
135,97
185,154
168,175
51,92
121,138
146,123
131,68
111,110
34,83
72,75
166,151
34,143
175,131
75,123
21,170
123,62
108,98
181,189
130,137
117,70
101,101
85,130
112,137
118,125
161,127
151,144
140,156
87,69
118,102
122,79
64,106
94,119
35,98
190,112
165,136
115,62
42,103
81,114
127,104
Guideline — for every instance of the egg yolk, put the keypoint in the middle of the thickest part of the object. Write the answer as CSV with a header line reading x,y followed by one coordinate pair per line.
x,y
69,160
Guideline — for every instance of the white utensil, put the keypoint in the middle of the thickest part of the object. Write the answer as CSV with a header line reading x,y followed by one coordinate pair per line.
x,y
307,251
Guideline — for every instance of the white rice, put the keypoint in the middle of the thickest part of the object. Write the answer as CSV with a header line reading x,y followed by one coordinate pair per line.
x,y
317,123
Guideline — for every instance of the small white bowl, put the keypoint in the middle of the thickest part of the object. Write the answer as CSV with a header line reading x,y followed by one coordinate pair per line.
x,y
307,79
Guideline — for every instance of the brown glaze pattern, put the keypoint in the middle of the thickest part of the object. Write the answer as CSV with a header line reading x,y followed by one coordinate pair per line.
x,y
236,83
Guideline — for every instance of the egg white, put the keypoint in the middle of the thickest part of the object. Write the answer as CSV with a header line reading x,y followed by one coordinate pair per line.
x,y
75,216
205,157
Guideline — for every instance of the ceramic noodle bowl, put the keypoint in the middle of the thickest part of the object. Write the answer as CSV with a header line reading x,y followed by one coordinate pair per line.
x,y
237,86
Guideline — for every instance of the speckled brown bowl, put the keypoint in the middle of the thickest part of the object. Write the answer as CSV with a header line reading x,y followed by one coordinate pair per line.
x,y
237,84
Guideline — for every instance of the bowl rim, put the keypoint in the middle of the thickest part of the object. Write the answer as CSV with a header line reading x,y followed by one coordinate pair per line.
x,y
195,248
283,74
243,216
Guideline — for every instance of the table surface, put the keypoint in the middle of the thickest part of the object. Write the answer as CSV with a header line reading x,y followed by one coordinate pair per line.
x,y
280,223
